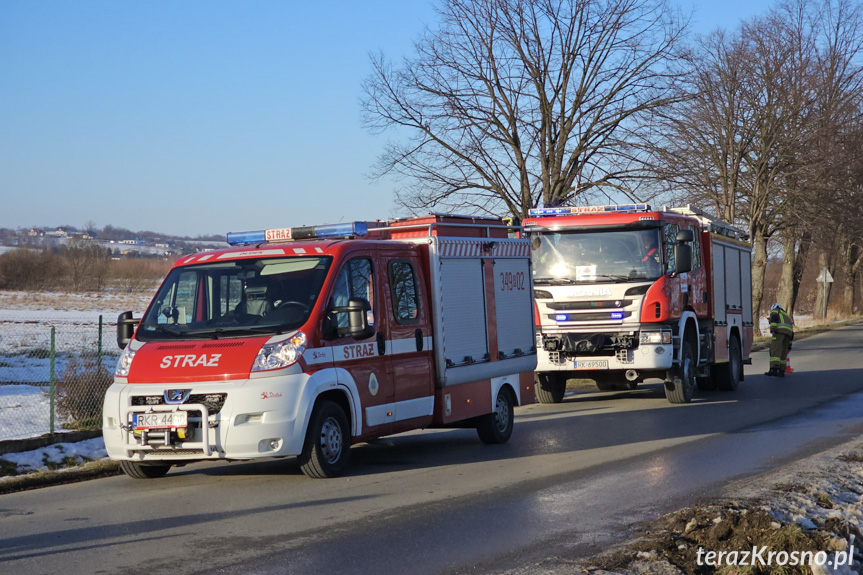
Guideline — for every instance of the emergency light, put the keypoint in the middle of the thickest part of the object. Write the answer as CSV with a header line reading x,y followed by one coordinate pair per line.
x,y
344,230
580,210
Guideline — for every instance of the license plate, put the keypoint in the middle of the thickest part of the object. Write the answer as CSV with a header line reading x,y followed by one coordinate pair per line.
x,y
159,420
590,364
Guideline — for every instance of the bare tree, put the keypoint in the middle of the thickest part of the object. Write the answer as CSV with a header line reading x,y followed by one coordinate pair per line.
x,y
703,140
513,103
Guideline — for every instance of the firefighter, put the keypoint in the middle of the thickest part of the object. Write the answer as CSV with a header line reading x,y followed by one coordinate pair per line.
x,y
782,329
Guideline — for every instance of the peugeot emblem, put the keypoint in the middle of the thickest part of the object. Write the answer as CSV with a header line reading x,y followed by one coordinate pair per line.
x,y
177,395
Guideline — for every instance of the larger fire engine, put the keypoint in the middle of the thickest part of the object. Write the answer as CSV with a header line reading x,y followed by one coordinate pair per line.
x,y
303,341
624,293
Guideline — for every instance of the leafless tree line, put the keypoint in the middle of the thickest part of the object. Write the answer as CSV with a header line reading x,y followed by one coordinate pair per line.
x,y
511,104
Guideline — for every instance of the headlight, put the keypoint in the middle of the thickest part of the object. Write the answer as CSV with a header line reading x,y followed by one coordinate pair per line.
x,y
281,354
124,363
655,337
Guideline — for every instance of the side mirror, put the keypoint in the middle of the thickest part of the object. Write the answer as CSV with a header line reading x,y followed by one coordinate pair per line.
x,y
358,322
125,328
682,257
684,236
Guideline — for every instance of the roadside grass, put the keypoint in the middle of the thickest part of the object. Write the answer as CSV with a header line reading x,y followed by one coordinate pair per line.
x,y
60,475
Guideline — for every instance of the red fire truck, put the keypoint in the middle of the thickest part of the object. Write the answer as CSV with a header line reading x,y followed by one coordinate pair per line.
x,y
624,293
302,341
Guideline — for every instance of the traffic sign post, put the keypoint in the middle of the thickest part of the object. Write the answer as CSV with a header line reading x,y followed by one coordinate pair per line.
x,y
825,279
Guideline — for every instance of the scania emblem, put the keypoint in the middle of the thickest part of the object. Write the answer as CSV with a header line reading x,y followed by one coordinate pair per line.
x,y
177,395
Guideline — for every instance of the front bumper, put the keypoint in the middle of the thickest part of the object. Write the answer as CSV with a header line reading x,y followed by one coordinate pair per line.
x,y
643,357
258,418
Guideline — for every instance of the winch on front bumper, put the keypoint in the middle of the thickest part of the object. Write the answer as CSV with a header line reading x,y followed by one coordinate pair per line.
x,y
167,427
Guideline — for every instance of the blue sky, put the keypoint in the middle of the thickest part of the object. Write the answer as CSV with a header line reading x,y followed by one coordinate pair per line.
x,y
200,117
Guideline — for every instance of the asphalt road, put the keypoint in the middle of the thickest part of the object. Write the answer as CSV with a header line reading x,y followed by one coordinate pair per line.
x,y
574,477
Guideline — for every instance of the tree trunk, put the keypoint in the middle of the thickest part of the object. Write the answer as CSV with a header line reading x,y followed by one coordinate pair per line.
x,y
759,267
795,252
852,255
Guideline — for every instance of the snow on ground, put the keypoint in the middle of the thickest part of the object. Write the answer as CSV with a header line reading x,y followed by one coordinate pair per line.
x,y
55,457
24,411
26,323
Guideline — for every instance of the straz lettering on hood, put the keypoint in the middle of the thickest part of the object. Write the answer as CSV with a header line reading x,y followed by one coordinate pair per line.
x,y
190,360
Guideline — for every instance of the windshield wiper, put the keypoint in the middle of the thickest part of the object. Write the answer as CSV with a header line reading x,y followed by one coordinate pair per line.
x,y
216,331
616,277
554,281
165,329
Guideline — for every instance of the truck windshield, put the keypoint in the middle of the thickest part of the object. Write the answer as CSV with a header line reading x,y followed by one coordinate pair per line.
x,y
596,256
234,299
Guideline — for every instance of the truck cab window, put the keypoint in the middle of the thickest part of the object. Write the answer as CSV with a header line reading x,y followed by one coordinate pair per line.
x,y
404,290
355,280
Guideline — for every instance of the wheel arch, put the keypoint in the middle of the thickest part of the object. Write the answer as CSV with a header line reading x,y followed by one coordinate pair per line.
x,y
687,326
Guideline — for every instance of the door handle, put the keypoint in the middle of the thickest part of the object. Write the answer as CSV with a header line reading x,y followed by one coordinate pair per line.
x,y
382,344
419,336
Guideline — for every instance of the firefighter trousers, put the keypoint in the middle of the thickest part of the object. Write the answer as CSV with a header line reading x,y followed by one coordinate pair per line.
x,y
779,351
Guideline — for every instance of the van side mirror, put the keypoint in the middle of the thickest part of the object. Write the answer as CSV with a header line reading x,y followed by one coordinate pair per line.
x,y
358,322
684,236
125,328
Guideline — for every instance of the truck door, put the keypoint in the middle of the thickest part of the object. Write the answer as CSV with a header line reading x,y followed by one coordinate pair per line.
x,y
409,340
365,360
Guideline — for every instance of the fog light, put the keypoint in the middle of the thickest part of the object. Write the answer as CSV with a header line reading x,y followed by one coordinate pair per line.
x,y
272,444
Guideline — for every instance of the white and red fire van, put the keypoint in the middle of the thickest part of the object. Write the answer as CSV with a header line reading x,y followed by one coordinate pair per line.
x,y
304,341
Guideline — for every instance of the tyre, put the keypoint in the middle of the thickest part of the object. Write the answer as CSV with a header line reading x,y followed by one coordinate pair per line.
x,y
682,386
496,427
550,387
729,374
144,470
328,442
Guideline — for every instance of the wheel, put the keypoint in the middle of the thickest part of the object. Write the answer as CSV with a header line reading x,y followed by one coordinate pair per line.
x,y
327,447
144,470
550,387
729,374
496,427
682,386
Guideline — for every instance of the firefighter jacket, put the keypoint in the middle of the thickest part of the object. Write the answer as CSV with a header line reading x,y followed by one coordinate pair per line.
x,y
780,323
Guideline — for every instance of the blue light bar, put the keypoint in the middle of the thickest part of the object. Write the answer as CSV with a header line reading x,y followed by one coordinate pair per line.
x,y
583,210
243,238
344,230
617,315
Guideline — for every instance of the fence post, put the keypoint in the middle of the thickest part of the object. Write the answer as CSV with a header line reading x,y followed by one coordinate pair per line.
x,y
51,381
99,346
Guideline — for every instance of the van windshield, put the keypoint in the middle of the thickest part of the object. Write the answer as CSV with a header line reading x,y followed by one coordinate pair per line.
x,y
235,298
596,256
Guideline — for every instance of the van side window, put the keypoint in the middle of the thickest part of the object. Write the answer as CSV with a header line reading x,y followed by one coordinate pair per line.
x,y
356,279
406,303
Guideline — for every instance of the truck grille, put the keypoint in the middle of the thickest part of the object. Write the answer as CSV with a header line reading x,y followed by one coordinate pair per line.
x,y
213,401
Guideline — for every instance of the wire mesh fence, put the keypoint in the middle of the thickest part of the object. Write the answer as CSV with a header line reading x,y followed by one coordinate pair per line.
x,y
54,373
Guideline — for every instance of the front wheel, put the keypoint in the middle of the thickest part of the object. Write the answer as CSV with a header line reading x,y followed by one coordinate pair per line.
x,y
550,387
681,388
496,427
327,447
144,470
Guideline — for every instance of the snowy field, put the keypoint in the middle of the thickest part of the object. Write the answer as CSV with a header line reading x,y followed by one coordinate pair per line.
x,y
26,322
